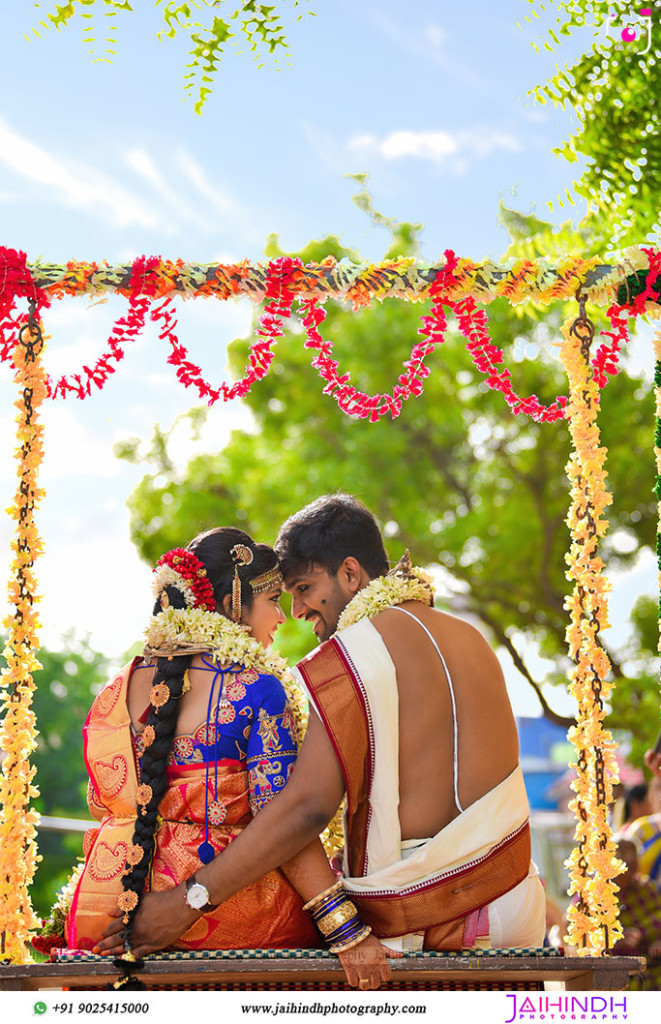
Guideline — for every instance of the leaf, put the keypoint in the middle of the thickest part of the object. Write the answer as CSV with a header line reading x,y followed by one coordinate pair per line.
x,y
261,25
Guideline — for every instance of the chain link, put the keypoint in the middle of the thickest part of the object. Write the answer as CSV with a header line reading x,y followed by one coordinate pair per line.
x,y
583,328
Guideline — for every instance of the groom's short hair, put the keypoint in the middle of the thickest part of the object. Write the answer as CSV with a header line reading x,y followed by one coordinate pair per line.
x,y
325,532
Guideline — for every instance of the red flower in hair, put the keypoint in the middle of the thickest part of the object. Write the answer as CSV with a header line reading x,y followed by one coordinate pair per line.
x,y
184,570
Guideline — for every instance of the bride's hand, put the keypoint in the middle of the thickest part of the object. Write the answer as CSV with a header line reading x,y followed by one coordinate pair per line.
x,y
366,966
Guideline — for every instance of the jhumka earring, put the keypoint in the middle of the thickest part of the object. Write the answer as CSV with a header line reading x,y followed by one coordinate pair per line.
x,y
242,555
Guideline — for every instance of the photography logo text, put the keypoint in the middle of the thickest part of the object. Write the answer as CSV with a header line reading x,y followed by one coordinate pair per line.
x,y
547,1008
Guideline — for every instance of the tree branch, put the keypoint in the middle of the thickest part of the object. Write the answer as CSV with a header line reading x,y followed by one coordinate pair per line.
x,y
506,642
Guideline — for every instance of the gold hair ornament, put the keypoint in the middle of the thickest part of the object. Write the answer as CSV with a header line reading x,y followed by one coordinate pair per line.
x,y
148,735
127,901
144,795
267,581
159,695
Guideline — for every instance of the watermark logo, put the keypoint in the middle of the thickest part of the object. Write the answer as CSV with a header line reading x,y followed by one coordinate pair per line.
x,y
635,28
552,1008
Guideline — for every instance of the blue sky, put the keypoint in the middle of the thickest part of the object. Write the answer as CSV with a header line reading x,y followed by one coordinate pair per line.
x,y
103,160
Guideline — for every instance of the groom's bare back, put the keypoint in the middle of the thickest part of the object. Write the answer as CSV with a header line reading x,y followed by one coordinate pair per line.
x,y
487,739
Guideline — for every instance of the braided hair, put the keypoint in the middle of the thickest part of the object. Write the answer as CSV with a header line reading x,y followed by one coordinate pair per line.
x,y
213,549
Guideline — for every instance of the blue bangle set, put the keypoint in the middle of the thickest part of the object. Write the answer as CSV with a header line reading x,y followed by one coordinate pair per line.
x,y
345,933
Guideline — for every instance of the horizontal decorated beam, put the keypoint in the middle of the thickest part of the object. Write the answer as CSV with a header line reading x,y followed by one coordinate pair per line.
x,y
541,280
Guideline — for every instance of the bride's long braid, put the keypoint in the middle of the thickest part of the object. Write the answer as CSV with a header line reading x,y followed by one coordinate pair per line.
x,y
153,765
213,549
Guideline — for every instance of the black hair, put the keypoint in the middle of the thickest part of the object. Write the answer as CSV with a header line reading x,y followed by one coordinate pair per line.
x,y
213,550
635,794
324,533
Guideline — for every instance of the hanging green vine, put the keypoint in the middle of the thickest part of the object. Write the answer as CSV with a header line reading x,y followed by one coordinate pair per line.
x,y
614,90
259,26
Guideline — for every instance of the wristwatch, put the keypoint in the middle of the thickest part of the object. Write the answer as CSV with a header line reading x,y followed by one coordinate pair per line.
x,y
197,895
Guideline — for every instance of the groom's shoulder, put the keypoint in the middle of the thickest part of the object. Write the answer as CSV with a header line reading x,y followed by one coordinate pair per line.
x,y
320,654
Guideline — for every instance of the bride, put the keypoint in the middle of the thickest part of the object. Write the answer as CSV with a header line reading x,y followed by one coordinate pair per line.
x,y
185,745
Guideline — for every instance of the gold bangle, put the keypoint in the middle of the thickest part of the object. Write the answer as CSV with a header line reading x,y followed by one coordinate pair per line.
x,y
342,947
316,900
336,917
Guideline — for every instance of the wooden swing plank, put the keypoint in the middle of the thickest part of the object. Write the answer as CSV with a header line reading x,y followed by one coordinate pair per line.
x,y
575,973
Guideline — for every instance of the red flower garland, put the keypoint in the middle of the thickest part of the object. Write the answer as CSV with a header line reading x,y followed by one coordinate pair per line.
x,y
189,567
126,328
607,356
151,277
15,282
472,324
279,298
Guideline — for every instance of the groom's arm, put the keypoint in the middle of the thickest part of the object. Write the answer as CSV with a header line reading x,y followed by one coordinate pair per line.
x,y
285,826
289,822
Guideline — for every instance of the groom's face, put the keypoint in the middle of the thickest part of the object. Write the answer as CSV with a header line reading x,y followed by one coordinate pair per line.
x,y
319,598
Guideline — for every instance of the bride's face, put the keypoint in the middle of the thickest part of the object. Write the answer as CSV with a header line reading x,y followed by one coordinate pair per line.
x,y
265,615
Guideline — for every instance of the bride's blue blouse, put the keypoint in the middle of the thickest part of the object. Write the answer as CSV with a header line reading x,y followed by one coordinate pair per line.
x,y
249,721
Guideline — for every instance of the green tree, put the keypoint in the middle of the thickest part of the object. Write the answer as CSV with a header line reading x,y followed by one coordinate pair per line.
x,y
465,484
613,89
636,697
65,687
259,26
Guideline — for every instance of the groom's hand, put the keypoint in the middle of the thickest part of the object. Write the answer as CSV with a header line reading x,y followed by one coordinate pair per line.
x,y
162,918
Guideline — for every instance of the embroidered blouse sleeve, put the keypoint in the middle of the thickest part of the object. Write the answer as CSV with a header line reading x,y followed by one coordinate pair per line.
x,y
271,746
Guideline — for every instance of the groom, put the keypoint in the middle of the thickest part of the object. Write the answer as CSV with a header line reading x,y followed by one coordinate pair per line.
x,y
410,719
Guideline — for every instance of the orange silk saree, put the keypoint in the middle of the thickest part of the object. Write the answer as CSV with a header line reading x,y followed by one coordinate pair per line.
x,y
267,913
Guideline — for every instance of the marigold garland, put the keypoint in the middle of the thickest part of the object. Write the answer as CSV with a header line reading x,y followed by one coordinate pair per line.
x,y
593,924
541,280
18,850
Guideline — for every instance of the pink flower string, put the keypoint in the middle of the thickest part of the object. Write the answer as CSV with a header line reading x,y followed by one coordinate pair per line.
x,y
607,356
473,326
150,278
279,298
125,329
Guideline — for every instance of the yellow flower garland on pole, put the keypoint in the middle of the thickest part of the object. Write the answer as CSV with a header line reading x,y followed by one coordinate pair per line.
x,y
18,850
593,923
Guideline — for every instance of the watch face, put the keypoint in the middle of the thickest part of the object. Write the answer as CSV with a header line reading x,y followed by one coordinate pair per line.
x,y
197,896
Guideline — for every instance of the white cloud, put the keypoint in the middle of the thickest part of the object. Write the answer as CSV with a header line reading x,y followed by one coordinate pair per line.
x,y
141,162
436,146
212,193
112,622
436,35
74,184
441,147
71,449
535,115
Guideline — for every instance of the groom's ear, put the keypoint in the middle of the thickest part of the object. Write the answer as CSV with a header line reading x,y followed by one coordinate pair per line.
x,y
351,572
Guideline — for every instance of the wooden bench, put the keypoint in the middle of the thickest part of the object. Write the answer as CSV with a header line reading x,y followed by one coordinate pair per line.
x,y
319,970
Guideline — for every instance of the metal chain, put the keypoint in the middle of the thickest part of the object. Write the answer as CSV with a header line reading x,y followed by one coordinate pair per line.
x,y
583,328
